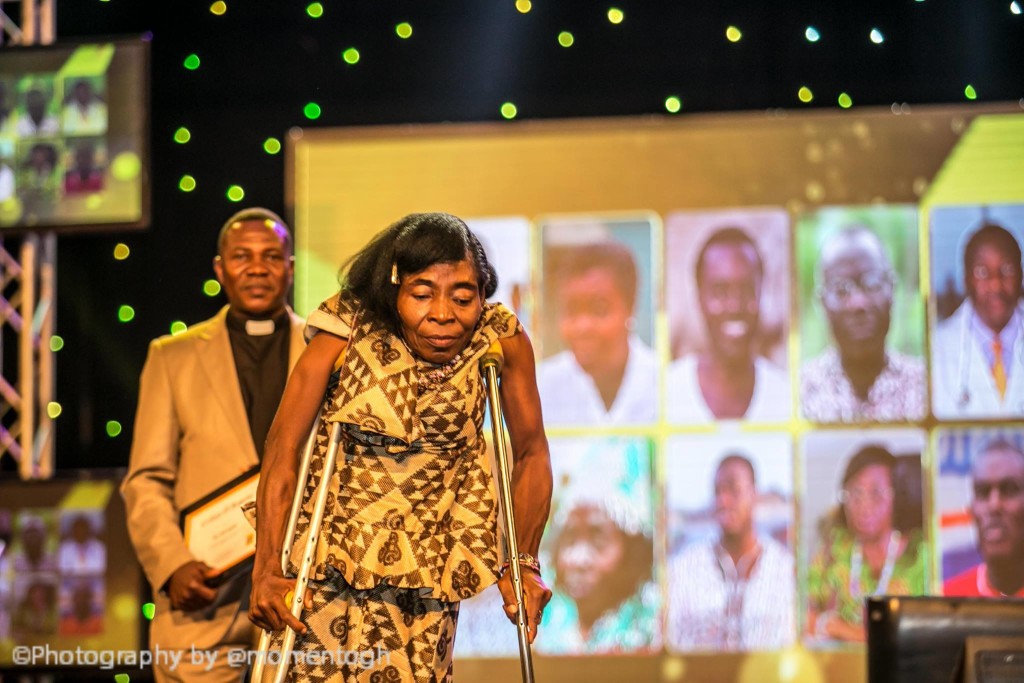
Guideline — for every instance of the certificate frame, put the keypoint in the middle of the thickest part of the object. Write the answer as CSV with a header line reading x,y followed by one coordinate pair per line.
x,y
217,532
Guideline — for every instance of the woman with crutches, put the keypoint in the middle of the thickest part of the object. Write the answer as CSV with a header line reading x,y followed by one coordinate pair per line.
x,y
410,516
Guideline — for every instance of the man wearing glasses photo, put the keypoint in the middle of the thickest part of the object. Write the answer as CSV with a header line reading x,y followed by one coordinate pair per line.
x,y
859,378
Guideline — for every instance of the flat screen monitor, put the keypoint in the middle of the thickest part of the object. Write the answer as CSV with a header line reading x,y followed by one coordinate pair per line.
x,y
944,640
74,129
69,581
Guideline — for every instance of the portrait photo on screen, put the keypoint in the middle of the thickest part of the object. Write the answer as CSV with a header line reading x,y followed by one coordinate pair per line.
x,y
81,605
38,183
979,502
730,361
731,578
85,163
977,342
84,110
507,244
82,551
37,107
598,364
862,527
597,555
861,315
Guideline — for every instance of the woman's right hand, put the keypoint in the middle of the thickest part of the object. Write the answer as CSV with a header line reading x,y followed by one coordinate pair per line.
x,y
269,604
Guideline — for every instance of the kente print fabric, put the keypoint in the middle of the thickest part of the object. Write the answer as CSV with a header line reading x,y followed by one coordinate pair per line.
x,y
412,501
383,635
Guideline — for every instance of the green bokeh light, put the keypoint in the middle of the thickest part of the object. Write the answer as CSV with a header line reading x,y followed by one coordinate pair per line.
x,y
121,251
236,193
177,327
53,410
211,288
125,313
673,104
509,110
187,183
565,39
970,93
351,55
312,111
148,610
56,343
845,101
182,135
315,10
615,15
113,428
805,94
403,30
271,145
192,62
122,678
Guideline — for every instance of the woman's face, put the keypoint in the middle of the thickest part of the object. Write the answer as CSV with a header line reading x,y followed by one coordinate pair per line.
x,y
438,308
868,502
594,319
590,549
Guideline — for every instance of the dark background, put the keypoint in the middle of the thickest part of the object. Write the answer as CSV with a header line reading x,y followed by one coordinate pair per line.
x,y
261,62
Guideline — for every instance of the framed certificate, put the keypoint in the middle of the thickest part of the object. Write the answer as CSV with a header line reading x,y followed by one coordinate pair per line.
x,y
216,530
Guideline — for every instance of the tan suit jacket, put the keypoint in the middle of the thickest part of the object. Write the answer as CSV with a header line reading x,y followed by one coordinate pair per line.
x,y
191,437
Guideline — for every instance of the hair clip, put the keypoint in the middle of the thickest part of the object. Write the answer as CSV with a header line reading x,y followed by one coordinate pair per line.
x,y
394,274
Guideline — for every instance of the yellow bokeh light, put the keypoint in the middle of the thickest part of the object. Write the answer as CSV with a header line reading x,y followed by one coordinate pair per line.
x,y
805,94
94,201
615,15
673,104
403,30
11,210
509,110
565,39
177,327
126,166
733,34
219,8
53,410
524,6
121,251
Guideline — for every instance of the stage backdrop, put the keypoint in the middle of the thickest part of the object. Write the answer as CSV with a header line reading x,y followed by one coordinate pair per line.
x,y
786,240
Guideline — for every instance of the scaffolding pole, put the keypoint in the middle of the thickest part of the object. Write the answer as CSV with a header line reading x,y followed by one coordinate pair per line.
x,y
28,287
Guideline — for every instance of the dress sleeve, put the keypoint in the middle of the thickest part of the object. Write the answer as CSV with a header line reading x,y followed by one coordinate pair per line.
x,y
335,315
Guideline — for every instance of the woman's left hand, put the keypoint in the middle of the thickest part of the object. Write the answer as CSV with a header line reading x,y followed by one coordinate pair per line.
x,y
535,594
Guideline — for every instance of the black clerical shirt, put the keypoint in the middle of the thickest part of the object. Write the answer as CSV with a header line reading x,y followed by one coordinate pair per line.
x,y
261,361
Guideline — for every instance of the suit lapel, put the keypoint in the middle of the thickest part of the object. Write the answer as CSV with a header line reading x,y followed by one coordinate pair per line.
x,y
218,362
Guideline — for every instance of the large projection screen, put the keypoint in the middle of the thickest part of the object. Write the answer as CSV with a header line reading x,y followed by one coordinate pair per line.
x,y
914,182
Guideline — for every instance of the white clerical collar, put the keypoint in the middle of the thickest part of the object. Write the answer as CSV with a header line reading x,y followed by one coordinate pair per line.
x,y
259,328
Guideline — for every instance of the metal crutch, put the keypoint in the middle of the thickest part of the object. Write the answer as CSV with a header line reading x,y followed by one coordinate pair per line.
x,y
490,366
315,522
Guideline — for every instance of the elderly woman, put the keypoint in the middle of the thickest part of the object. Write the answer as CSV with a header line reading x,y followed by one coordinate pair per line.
x,y
871,549
411,523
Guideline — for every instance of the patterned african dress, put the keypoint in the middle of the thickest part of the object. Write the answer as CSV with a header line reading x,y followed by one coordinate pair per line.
x,y
410,527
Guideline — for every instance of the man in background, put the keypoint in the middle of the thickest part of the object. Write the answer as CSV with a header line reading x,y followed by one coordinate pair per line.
x,y
859,379
729,379
206,401
734,592
977,365
997,506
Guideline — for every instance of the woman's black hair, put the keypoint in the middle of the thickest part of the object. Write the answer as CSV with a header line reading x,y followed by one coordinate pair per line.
x,y
903,519
412,244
